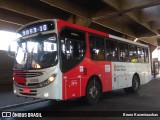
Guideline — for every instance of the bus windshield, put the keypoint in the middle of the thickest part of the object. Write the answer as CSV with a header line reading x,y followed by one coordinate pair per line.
x,y
36,52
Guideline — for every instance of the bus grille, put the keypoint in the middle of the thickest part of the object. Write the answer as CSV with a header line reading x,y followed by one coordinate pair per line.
x,y
27,74
31,85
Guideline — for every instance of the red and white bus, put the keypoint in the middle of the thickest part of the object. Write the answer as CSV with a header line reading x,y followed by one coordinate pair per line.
x,y
58,60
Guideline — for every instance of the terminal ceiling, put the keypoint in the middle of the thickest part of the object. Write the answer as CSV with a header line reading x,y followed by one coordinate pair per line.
x,y
125,18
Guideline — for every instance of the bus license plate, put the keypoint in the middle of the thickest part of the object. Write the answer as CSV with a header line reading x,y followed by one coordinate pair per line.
x,y
26,90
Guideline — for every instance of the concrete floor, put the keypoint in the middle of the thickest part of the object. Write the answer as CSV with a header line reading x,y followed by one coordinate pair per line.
x,y
8,98
147,99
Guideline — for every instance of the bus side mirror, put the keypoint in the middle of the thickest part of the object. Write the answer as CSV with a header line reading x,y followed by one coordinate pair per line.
x,y
11,53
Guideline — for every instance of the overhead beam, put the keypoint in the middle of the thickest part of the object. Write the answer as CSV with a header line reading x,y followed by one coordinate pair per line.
x,y
152,40
19,7
128,7
78,11
152,48
137,4
130,11
82,13
68,6
150,14
79,20
122,7
75,10
113,24
14,18
135,17
7,26
155,25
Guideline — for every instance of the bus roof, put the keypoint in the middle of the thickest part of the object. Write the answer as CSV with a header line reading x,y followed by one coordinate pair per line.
x,y
100,33
83,28
65,23
126,40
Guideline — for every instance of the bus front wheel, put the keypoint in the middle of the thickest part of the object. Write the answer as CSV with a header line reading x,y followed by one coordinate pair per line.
x,y
92,92
135,85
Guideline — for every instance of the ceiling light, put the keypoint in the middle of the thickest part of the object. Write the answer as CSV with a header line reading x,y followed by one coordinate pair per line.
x,y
135,40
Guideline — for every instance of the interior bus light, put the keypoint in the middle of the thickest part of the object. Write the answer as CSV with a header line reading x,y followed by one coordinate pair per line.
x,y
37,66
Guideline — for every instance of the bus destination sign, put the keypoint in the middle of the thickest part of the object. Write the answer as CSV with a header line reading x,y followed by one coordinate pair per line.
x,y
37,28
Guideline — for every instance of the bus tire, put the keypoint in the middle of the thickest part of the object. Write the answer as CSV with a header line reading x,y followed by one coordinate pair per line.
x,y
135,85
93,92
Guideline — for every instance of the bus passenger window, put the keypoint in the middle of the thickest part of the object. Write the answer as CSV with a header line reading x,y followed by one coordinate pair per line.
x,y
97,48
133,53
123,52
146,55
111,50
73,48
140,55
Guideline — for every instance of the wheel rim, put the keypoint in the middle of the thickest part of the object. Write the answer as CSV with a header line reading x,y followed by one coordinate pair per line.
x,y
93,91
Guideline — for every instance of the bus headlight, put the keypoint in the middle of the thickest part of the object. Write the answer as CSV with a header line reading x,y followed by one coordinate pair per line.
x,y
48,81
52,78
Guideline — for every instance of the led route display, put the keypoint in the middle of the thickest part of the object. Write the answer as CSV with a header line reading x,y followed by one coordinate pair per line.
x,y
37,28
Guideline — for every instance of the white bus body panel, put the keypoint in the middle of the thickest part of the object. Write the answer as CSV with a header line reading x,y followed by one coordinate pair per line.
x,y
122,72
